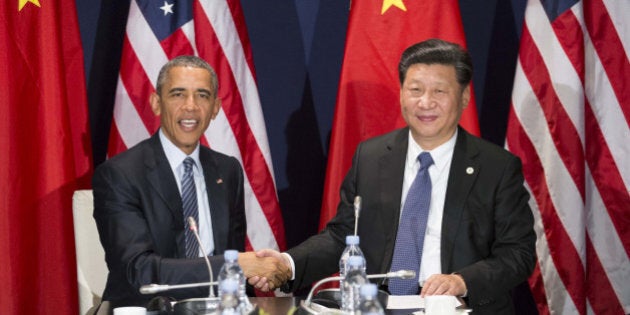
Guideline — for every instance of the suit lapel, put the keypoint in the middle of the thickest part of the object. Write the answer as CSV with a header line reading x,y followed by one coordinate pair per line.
x,y
160,175
215,188
463,173
391,171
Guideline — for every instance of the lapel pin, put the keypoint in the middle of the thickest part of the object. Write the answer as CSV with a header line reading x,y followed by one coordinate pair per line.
x,y
470,170
219,181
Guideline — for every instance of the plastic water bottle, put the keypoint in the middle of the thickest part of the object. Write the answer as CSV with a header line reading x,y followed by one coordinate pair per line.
x,y
232,270
230,304
369,303
352,249
355,277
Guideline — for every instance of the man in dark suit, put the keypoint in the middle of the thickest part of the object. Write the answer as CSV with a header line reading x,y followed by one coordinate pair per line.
x,y
476,240
141,197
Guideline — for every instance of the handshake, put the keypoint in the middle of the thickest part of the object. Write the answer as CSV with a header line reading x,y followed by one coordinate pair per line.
x,y
265,269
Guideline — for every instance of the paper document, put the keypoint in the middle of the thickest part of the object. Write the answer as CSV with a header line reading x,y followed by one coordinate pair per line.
x,y
395,302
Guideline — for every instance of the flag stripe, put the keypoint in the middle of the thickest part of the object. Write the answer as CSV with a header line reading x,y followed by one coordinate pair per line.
x,y
604,242
116,143
600,292
177,44
127,120
568,31
608,46
134,79
541,280
618,12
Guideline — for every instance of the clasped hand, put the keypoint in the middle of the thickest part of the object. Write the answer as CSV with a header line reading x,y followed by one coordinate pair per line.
x,y
266,269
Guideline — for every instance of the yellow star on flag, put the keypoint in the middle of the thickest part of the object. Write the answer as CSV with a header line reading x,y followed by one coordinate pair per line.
x,y
22,3
396,3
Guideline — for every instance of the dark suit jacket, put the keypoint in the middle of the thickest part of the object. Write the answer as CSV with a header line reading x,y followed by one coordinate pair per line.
x,y
138,212
487,227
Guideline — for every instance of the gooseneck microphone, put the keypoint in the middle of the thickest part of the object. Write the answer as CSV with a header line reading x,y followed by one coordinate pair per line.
x,y
156,288
193,227
357,209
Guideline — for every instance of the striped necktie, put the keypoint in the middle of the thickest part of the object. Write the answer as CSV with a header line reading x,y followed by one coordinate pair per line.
x,y
190,209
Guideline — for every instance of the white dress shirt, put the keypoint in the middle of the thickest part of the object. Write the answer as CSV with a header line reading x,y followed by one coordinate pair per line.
x,y
442,156
175,158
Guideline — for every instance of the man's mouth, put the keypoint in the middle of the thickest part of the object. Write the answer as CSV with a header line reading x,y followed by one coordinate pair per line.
x,y
188,123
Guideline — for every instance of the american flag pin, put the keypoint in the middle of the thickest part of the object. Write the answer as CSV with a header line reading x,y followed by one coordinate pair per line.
x,y
219,181
470,170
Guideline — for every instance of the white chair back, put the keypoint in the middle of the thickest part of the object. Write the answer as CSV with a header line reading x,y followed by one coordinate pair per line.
x,y
91,266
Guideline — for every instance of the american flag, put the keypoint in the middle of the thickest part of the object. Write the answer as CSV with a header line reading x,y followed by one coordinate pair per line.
x,y
158,31
569,124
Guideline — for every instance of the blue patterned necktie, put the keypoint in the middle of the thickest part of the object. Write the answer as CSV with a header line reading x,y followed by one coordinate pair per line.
x,y
189,203
413,224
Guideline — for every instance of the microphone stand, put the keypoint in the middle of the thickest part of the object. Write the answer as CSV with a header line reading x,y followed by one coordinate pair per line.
x,y
192,224
314,308
191,306
357,209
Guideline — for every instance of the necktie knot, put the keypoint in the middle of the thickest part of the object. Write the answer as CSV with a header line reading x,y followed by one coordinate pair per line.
x,y
425,160
188,165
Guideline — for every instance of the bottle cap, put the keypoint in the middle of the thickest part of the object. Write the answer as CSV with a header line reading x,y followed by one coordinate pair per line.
x,y
352,240
230,254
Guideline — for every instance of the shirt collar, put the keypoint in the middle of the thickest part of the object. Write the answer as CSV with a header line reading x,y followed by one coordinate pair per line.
x,y
441,155
175,155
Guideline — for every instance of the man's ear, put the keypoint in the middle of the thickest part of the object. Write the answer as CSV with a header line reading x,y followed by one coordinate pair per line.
x,y
466,96
155,103
217,107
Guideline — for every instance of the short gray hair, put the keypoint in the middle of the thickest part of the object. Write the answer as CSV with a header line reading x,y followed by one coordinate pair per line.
x,y
186,61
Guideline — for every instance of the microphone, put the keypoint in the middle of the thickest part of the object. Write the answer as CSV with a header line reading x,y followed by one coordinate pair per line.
x,y
193,305
357,209
314,308
192,224
156,288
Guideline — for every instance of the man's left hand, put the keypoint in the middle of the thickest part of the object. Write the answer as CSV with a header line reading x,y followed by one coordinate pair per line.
x,y
441,284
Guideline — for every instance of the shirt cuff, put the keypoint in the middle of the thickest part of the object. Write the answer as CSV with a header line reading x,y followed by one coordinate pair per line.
x,y
288,257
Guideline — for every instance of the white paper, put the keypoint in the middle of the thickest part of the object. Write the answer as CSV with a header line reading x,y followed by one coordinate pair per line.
x,y
395,302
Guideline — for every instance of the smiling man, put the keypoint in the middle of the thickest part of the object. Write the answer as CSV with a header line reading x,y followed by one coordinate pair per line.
x,y
144,196
435,199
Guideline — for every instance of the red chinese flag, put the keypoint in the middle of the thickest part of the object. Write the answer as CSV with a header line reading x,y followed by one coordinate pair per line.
x,y
47,154
368,102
